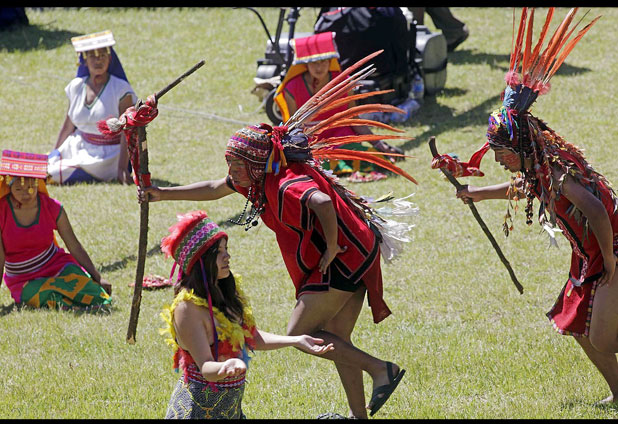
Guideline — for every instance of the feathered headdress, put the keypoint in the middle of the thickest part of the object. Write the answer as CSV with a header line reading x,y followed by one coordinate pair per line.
x,y
513,127
330,97
267,149
530,70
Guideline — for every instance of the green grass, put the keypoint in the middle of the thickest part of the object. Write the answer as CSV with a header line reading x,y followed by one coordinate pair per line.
x,y
473,347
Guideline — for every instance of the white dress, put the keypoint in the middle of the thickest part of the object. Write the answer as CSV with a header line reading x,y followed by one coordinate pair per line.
x,y
86,155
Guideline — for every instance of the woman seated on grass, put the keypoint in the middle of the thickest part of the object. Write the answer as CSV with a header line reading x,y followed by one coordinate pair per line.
x,y
99,90
315,65
211,324
38,272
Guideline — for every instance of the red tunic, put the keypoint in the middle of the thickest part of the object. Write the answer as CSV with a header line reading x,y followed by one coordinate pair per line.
x,y
573,309
301,238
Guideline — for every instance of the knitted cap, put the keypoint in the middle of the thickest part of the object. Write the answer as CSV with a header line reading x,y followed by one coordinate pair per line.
x,y
253,145
190,237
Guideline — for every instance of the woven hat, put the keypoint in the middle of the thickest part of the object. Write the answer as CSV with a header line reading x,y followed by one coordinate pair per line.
x,y
315,47
190,237
93,41
97,40
22,164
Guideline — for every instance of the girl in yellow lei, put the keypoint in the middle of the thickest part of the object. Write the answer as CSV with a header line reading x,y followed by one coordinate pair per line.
x,y
211,324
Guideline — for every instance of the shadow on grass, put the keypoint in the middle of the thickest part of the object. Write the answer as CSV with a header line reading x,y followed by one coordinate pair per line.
x,y
573,404
7,309
500,61
441,118
14,307
163,183
155,250
32,37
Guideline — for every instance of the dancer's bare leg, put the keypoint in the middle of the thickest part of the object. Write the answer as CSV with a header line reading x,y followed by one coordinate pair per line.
x,y
312,313
351,376
604,323
606,363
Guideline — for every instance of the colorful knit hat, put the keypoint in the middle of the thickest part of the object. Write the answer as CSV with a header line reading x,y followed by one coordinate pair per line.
x,y
22,164
97,40
253,145
190,237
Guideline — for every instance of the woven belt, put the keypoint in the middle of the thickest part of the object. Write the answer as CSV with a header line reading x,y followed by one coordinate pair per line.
x,y
100,140
32,264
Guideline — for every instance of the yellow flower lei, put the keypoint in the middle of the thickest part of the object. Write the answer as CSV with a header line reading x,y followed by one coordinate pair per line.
x,y
227,330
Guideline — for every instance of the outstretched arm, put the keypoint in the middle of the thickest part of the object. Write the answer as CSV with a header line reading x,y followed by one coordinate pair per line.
x,y
476,194
268,341
203,190
598,219
77,251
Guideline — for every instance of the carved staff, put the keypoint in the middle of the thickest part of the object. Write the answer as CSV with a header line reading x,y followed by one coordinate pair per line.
x,y
133,122
458,186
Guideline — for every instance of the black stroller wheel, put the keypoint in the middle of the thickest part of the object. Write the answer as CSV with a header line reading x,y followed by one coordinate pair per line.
x,y
272,109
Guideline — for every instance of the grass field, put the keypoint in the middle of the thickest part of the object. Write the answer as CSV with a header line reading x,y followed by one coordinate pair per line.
x,y
473,347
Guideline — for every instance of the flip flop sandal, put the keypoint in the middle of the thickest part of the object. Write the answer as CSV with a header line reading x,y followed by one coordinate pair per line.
x,y
387,389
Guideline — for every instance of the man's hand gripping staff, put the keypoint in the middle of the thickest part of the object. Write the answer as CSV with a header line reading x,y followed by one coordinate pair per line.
x,y
458,186
133,123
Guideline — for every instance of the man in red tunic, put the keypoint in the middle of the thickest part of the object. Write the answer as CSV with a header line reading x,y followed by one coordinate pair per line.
x,y
330,248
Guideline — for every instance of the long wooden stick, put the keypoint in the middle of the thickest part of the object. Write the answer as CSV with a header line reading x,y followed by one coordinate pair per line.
x,y
143,238
453,180
143,219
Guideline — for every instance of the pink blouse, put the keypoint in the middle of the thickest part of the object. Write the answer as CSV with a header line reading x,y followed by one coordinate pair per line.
x,y
30,251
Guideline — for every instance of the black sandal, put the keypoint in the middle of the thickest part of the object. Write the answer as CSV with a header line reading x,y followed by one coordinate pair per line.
x,y
386,389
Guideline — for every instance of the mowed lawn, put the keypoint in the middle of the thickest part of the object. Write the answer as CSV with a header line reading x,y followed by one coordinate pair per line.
x,y
473,347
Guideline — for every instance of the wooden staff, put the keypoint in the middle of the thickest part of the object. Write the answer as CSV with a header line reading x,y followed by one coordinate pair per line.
x,y
143,218
458,186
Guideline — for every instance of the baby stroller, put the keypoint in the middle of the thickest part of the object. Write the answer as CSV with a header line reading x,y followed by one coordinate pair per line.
x,y
359,32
